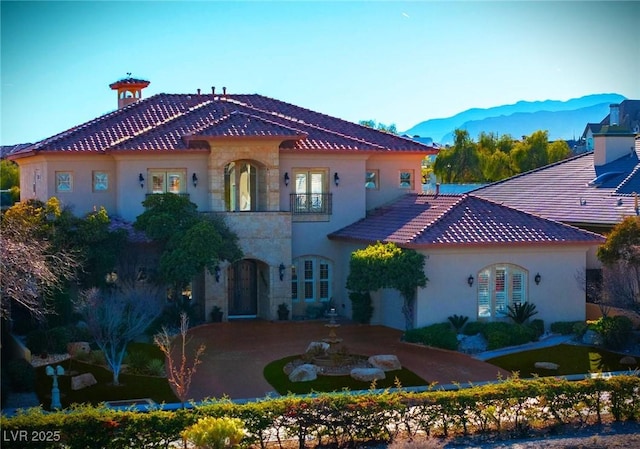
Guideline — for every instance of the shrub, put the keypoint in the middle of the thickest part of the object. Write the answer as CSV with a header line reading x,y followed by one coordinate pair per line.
x,y
155,367
22,376
538,327
498,339
474,328
361,306
439,335
458,321
615,331
564,327
520,313
137,362
215,433
37,341
58,339
500,334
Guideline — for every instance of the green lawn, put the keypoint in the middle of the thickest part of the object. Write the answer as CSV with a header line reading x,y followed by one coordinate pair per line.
x,y
275,375
131,386
571,358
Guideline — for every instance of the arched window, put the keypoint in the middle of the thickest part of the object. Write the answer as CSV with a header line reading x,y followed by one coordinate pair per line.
x,y
311,279
244,186
499,286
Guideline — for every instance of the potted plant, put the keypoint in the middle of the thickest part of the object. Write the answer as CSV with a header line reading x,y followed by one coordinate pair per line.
x,y
283,312
216,314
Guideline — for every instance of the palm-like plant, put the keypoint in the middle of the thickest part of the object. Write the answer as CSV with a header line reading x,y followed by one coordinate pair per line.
x,y
521,312
458,321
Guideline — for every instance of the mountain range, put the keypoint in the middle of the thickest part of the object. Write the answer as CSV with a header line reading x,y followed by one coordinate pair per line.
x,y
562,119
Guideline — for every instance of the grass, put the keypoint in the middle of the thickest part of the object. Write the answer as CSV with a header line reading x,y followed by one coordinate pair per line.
x,y
131,386
275,375
572,359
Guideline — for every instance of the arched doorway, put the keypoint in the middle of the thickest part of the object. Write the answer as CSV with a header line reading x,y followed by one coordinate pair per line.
x,y
247,283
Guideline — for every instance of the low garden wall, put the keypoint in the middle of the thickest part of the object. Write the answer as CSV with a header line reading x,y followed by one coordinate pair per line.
x,y
510,406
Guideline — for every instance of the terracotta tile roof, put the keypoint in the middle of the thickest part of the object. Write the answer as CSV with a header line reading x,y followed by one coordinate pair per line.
x,y
425,220
561,191
172,121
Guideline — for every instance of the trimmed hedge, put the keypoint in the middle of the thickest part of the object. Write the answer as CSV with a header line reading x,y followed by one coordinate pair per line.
x,y
440,335
512,406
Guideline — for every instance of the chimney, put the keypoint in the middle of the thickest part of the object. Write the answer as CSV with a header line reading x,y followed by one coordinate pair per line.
x,y
129,90
614,114
198,91
437,188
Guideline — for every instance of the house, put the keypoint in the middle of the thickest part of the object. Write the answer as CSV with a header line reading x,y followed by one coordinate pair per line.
x,y
481,257
285,179
282,176
594,190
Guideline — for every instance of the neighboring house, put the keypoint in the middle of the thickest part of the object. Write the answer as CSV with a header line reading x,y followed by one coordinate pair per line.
x,y
283,177
480,258
594,190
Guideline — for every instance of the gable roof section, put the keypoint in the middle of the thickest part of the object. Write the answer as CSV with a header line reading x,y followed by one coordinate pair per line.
x,y
418,220
561,191
171,122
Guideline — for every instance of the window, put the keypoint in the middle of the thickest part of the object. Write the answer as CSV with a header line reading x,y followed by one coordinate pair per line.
x,y
315,281
311,192
245,186
371,179
406,179
500,286
168,181
64,181
100,181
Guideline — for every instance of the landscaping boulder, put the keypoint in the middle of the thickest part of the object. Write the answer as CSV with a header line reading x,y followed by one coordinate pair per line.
x,y
83,381
317,347
386,362
472,344
592,338
367,374
78,347
547,365
304,373
628,360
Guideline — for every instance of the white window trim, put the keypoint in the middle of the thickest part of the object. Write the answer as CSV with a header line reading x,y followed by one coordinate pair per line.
x,y
316,279
95,182
510,270
60,181
166,172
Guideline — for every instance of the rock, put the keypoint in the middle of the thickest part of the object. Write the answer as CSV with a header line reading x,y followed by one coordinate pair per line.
x,y
547,365
317,347
83,381
78,347
386,362
592,338
367,374
472,344
304,373
628,360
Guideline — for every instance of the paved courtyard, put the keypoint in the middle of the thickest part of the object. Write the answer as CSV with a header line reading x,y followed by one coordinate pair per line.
x,y
237,352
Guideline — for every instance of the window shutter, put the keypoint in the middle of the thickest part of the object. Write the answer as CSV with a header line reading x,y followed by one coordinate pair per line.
x,y
517,288
484,295
501,291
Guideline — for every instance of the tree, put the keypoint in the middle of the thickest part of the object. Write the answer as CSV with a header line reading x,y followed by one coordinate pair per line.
x,y
621,258
460,163
189,241
391,129
557,151
179,374
32,267
385,265
10,179
531,152
115,317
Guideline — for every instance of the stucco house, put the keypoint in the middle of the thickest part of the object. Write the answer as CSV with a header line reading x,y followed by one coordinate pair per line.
x,y
285,179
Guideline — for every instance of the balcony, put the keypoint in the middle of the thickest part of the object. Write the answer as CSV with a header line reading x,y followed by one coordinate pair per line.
x,y
311,203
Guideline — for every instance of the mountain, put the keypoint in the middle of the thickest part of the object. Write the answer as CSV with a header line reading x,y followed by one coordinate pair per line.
x,y
563,119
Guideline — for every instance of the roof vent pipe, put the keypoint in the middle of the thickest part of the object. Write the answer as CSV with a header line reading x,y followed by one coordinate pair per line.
x,y
213,90
198,91
437,188
224,91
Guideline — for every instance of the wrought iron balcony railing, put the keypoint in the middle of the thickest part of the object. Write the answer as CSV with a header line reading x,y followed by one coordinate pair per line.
x,y
311,203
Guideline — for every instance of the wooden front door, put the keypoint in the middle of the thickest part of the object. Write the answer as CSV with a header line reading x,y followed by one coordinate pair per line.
x,y
243,290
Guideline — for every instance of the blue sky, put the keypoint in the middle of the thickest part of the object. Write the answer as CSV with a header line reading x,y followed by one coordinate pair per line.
x,y
394,62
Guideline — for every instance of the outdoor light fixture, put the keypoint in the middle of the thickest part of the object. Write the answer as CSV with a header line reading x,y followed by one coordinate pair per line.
x,y
281,271
194,179
286,178
538,278
216,271
141,180
336,179
470,280
55,391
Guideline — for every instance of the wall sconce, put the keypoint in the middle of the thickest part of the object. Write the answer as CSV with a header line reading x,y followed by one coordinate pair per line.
x,y
286,178
194,179
281,271
537,279
470,280
216,272
141,180
336,179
